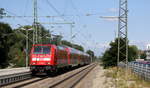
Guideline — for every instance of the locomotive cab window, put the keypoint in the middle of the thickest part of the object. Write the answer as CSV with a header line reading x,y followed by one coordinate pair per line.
x,y
41,50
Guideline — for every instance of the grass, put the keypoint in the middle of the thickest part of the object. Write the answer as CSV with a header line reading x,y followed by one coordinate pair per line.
x,y
123,78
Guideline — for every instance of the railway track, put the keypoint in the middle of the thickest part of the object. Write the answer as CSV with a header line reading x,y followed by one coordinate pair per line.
x,y
72,80
65,80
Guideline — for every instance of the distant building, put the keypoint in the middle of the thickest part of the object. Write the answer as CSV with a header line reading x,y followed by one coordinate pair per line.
x,y
139,60
148,52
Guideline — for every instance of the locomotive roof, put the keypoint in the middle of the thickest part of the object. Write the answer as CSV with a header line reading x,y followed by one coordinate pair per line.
x,y
73,50
42,44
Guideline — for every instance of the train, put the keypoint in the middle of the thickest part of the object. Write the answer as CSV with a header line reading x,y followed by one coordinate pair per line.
x,y
48,58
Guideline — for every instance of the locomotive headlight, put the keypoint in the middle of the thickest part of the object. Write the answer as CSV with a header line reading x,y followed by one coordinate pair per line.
x,y
47,59
33,63
33,59
38,59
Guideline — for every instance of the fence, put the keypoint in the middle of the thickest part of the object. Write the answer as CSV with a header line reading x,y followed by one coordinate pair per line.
x,y
141,69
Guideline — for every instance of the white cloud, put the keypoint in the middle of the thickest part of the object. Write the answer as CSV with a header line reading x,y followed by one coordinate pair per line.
x,y
98,48
112,19
109,18
140,44
114,10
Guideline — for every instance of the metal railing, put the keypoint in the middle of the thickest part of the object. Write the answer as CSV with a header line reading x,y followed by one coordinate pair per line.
x,y
7,79
141,69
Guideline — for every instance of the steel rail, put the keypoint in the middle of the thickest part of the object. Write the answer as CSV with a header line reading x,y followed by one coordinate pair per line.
x,y
27,83
82,72
30,80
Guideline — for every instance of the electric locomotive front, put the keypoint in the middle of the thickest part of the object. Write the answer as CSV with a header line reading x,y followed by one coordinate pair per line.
x,y
42,58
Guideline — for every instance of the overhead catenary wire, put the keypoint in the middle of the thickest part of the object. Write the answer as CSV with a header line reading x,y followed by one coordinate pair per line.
x,y
65,6
85,39
44,10
75,8
25,7
50,4
16,15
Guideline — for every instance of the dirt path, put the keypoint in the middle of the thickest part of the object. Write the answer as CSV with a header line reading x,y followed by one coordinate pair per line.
x,y
99,80
94,79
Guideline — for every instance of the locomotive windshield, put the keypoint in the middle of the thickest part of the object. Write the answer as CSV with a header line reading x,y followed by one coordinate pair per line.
x,y
41,50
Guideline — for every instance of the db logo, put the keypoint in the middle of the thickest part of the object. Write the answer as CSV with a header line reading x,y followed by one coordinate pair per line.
x,y
41,56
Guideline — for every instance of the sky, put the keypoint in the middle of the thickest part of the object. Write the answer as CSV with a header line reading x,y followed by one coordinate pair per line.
x,y
90,30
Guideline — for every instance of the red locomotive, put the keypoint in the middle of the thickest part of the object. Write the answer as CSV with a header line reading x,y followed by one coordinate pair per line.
x,y
48,58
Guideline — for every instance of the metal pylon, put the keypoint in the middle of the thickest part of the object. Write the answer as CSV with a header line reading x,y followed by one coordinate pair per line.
x,y
123,32
35,28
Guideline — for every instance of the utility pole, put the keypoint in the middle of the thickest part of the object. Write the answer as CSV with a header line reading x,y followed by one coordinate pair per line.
x,y
27,48
123,32
71,34
35,30
122,37
27,44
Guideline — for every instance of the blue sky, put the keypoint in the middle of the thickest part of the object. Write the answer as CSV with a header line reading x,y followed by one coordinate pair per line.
x,y
92,31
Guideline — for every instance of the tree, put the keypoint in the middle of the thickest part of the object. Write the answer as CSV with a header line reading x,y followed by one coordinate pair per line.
x,y
132,52
76,46
90,52
2,13
56,39
67,43
12,45
109,58
142,54
6,34
17,50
